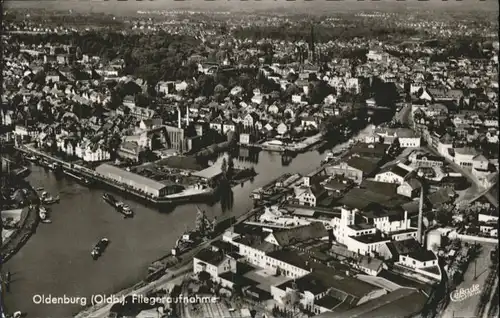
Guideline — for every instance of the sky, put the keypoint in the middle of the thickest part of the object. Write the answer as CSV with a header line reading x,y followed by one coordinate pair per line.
x,y
298,6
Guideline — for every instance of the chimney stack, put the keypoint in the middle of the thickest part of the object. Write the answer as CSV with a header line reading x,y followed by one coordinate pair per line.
x,y
179,118
420,215
406,220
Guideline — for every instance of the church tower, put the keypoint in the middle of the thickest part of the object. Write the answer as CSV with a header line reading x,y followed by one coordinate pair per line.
x,y
312,47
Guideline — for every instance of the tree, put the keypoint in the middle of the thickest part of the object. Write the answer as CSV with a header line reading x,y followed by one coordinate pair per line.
x,y
220,92
223,166
278,271
230,167
203,276
201,222
292,298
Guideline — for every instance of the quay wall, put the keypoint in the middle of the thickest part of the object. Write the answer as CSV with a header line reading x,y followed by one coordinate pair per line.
x,y
92,174
27,226
185,261
298,148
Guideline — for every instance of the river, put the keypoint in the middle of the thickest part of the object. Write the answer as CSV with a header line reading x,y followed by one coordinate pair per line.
x,y
56,260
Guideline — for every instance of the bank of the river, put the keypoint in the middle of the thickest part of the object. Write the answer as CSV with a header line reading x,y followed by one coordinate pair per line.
x,y
57,259
186,260
27,226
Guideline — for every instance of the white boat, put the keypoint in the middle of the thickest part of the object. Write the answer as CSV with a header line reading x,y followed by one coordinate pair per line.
x,y
99,248
46,198
124,209
43,214
329,156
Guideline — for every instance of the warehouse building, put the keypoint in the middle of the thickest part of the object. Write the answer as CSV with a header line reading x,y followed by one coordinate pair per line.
x,y
137,182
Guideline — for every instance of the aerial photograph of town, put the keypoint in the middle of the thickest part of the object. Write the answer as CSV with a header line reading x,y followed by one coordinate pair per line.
x,y
249,159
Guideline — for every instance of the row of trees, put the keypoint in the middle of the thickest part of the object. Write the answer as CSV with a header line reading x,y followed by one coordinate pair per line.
x,y
154,57
322,33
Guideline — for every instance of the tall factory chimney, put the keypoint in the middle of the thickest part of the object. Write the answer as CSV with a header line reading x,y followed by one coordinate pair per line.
x,y
179,118
420,210
187,115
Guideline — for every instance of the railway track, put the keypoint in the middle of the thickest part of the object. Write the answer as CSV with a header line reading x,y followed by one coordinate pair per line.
x,y
493,310
487,291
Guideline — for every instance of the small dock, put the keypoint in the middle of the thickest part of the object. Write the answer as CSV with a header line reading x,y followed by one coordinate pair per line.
x,y
294,147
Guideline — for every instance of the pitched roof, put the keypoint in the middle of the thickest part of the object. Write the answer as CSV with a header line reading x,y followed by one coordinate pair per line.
x,y
397,170
126,176
422,255
443,195
210,257
403,247
414,183
363,164
314,230
370,263
402,303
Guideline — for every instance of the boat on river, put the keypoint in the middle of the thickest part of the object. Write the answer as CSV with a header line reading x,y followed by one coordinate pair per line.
x,y
46,198
44,215
331,156
31,158
99,248
118,205
83,180
125,210
204,230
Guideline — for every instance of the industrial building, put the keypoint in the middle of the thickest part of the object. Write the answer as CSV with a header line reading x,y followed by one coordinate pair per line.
x,y
137,182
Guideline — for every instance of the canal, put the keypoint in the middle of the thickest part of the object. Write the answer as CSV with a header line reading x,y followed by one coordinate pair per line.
x,y
56,261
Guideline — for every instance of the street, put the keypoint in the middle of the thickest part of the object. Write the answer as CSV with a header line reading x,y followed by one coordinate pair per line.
x,y
468,307
167,282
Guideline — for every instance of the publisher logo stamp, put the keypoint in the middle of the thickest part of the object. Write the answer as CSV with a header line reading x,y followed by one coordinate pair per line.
x,y
464,293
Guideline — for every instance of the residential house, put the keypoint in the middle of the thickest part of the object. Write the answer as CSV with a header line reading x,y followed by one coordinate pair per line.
x,y
181,86
463,156
355,168
214,263
479,162
410,188
309,122
423,262
282,129
285,238
92,152
228,126
391,221
406,137
129,101
246,138
250,119
129,150
393,174
216,125
310,195
420,159
273,109
53,76
443,95
369,265
166,88
288,263
325,289
142,112
372,151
